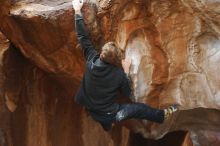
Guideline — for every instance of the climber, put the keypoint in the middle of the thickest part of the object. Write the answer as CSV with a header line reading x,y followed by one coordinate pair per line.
x,y
106,74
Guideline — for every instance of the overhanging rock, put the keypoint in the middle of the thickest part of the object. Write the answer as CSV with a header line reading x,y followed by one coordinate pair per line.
x,y
174,46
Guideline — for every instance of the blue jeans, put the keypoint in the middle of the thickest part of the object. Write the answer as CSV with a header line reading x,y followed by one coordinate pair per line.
x,y
129,111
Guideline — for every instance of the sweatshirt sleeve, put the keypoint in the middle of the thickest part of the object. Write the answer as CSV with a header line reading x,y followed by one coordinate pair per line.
x,y
126,86
82,35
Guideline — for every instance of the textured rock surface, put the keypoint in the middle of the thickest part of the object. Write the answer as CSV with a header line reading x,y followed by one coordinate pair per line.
x,y
44,112
175,51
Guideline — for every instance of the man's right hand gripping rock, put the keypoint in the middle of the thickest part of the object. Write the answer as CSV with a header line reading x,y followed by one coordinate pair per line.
x,y
77,5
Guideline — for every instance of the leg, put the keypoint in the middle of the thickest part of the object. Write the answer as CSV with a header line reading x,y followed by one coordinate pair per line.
x,y
139,111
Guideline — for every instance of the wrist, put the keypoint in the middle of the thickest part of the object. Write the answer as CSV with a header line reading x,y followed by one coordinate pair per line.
x,y
78,12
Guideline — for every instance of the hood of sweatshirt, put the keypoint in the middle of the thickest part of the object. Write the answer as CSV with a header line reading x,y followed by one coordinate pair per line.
x,y
100,68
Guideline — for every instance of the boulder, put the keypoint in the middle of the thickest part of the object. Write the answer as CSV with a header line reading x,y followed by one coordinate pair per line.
x,y
175,50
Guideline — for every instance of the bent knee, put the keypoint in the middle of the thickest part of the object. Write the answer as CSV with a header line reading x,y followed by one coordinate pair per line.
x,y
121,115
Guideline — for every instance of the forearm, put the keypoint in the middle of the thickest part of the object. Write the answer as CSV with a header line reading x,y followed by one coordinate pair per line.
x,y
83,37
80,27
79,23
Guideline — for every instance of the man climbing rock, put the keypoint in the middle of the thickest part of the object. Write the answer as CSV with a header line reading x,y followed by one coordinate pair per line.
x,y
106,74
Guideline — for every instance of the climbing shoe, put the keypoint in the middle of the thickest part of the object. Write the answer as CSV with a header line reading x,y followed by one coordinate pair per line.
x,y
170,110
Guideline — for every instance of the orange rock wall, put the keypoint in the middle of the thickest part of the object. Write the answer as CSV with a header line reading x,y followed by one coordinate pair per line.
x,y
38,109
174,46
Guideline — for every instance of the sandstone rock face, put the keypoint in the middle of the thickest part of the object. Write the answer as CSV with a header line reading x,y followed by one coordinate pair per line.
x,y
38,109
175,51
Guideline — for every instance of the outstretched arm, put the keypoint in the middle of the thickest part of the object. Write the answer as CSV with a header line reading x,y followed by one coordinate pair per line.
x,y
82,35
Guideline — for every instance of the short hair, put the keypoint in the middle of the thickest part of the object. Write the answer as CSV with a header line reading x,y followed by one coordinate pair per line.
x,y
111,53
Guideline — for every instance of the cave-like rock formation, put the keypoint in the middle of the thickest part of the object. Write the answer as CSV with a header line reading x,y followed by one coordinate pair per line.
x,y
175,51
